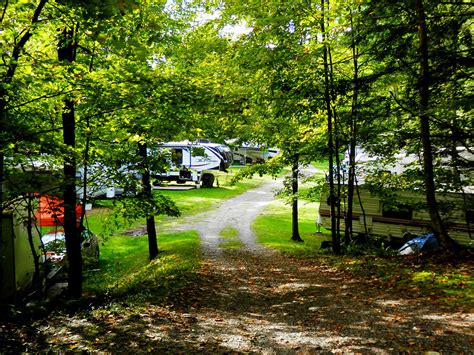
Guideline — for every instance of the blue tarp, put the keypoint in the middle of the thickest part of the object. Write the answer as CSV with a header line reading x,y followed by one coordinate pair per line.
x,y
423,243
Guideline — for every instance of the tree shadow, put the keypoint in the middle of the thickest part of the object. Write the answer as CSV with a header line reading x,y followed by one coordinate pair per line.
x,y
243,302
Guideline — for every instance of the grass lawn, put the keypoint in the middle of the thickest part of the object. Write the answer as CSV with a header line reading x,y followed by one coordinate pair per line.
x,y
124,266
273,229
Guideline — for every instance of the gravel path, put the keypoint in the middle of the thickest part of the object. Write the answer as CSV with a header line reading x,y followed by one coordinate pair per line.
x,y
237,213
253,300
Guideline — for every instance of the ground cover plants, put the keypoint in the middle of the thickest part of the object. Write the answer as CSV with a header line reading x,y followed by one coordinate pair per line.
x,y
444,279
230,239
124,265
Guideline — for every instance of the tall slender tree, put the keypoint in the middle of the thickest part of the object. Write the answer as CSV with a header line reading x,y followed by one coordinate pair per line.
x,y
12,58
333,201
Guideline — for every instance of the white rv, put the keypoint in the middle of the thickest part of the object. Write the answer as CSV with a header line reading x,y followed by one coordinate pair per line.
x,y
189,161
393,218
251,153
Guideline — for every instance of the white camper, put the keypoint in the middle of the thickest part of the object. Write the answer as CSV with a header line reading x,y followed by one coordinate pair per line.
x,y
189,161
251,153
393,218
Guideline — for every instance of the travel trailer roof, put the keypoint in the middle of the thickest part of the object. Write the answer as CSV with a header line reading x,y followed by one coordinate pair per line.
x,y
402,161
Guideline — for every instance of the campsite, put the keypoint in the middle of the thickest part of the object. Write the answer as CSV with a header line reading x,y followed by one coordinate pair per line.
x,y
236,176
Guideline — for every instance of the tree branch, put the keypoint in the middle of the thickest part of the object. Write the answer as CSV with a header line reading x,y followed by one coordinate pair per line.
x,y
21,43
38,98
4,11
400,104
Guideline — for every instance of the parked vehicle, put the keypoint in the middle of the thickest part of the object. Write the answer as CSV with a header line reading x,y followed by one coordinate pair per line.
x,y
108,181
391,218
251,153
190,161
54,243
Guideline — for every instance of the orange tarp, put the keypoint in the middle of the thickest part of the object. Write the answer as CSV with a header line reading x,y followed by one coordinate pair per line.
x,y
51,211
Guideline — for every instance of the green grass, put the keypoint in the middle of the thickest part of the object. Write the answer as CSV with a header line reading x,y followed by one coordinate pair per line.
x,y
199,200
321,165
231,244
273,229
124,266
230,239
229,232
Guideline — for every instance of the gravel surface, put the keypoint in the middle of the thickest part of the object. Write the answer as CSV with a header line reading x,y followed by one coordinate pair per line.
x,y
253,300
237,213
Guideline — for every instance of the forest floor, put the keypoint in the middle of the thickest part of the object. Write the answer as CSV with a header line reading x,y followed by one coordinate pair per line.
x,y
254,300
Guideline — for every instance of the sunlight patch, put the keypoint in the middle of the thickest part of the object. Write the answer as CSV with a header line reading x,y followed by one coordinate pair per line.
x,y
392,303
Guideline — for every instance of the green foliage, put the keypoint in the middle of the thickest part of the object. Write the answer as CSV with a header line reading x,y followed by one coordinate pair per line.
x,y
271,167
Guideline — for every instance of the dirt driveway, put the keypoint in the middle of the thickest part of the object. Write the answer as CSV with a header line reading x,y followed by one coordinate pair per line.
x,y
252,300
255,300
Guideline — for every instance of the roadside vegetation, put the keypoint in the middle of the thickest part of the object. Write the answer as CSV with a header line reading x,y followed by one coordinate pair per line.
x,y
273,229
124,267
445,279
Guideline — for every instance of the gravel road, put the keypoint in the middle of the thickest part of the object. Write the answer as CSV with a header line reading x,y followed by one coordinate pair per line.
x,y
238,213
254,300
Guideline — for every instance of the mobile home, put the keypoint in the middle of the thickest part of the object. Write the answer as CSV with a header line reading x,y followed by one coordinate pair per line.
x,y
17,266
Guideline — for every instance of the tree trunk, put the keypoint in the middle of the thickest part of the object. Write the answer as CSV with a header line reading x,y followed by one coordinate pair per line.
x,y
437,224
348,234
37,286
332,200
336,135
295,233
146,186
67,52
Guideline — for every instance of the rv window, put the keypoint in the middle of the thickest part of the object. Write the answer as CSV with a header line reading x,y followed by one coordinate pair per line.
x,y
400,211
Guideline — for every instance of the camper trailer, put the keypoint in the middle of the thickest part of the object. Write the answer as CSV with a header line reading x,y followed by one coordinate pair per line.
x,y
189,161
17,266
393,217
251,153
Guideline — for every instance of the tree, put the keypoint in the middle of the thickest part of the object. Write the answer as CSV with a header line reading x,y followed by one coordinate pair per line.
x,y
333,200
422,55
67,52
17,38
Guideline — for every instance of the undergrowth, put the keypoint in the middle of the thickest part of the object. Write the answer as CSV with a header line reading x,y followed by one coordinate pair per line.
x,y
445,279
124,268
